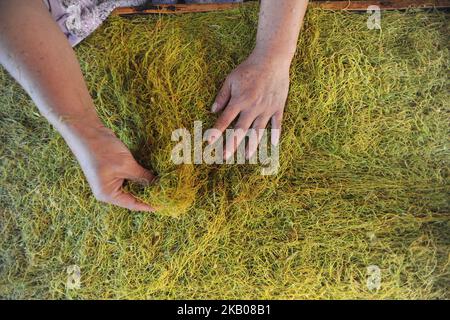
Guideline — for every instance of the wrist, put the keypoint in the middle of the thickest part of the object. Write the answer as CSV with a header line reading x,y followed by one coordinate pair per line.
x,y
274,57
88,131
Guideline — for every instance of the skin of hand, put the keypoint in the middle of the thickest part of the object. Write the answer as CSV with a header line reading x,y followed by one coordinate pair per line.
x,y
255,93
109,166
39,57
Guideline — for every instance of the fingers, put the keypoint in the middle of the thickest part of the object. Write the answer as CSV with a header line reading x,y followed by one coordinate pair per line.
x,y
239,133
118,197
276,128
256,135
122,199
228,115
142,175
128,201
222,98
131,170
242,127
253,105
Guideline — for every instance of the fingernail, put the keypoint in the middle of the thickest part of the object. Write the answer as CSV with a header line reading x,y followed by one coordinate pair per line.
x,y
214,107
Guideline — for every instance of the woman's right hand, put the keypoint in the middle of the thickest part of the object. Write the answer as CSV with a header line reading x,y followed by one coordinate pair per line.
x,y
107,163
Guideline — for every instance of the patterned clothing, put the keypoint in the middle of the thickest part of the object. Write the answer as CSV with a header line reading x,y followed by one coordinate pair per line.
x,y
79,18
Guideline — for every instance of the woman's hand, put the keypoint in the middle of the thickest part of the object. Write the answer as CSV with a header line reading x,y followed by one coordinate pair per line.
x,y
256,91
35,51
107,163
254,94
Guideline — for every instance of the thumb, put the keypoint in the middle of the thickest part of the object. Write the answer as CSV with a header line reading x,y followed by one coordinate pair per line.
x,y
128,201
223,97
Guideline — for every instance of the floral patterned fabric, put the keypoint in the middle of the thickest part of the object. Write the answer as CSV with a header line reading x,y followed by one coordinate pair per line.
x,y
79,18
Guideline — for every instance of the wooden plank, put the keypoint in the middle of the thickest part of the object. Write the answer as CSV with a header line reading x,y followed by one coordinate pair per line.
x,y
326,5
383,5
176,8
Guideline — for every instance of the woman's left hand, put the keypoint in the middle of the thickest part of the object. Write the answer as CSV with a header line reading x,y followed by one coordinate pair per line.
x,y
254,94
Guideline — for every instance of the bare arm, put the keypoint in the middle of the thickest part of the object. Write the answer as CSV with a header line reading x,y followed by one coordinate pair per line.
x,y
279,27
39,57
256,91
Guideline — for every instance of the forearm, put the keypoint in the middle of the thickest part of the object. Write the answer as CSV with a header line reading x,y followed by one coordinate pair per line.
x,y
278,29
39,57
